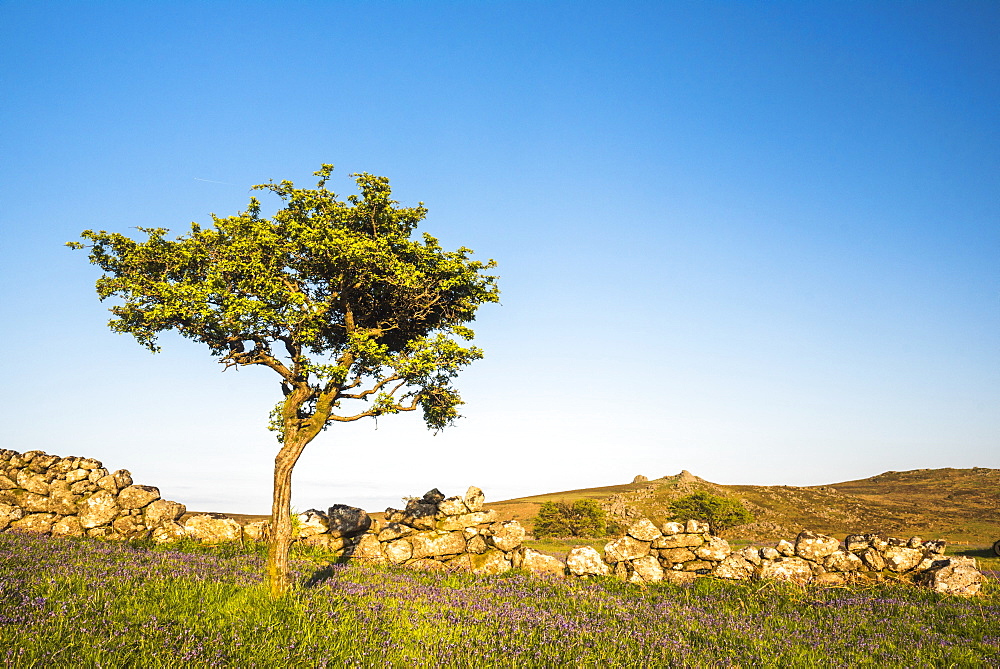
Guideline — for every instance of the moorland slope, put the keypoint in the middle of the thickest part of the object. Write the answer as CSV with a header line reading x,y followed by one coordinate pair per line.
x,y
960,505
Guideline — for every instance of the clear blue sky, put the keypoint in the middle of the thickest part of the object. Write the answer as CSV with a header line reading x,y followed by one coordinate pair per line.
x,y
757,241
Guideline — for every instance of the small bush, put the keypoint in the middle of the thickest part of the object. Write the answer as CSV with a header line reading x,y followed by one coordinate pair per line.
x,y
582,518
720,513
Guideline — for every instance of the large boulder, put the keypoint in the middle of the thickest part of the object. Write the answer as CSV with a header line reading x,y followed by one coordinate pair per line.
x,y
212,528
626,548
62,500
953,576
347,521
474,498
792,569
586,561
98,509
715,548
646,570
130,527
814,546
736,567
490,562
160,511
368,549
539,563
67,526
506,535
872,559
168,531
452,506
311,522
643,530
137,496
38,523
436,544
900,558
672,556
398,551
843,561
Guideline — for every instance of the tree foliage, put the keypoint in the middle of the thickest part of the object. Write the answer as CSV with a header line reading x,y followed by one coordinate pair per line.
x,y
721,513
356,317
582,518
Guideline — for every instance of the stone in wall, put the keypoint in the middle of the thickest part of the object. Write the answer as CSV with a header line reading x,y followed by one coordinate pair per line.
x,y
585,561
212,528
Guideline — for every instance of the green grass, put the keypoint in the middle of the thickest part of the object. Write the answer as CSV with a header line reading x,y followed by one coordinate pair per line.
x,y
80,603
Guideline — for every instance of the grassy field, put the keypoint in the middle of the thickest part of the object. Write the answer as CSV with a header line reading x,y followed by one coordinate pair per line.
x,y
80,603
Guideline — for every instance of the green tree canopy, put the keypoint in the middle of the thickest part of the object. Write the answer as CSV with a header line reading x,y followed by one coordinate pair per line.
x,y
356,317
582,518
721,513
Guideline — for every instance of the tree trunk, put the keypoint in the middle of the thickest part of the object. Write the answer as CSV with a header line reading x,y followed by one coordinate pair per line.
x,y
280,540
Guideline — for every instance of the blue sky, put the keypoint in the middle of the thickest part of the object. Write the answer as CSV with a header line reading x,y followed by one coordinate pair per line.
x,y
760,242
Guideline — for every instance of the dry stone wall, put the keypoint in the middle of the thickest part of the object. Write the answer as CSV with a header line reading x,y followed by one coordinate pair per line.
x,y
73,496
438,532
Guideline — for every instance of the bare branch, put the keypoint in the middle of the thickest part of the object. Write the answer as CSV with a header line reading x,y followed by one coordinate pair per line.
x,y
374,389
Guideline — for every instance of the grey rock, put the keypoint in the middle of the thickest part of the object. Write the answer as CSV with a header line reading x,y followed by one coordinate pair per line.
x,y
715,548
626,548
791,569
646,570
586,561
432,496
433,544
643,530
213,528
540,563
137,496
160,511
37,523
398,551
872,559
843,561
474,498
506,535
98,509
311,522
67,526
672,528
490,562
672,556
785,548
953,576
735,567
347,521
813,546
901,559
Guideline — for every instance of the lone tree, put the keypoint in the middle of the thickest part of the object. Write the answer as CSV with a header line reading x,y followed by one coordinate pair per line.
x,y
357,319
582,518
720,513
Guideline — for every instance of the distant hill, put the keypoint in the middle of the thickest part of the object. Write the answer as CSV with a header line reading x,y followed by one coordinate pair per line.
x,y
960,505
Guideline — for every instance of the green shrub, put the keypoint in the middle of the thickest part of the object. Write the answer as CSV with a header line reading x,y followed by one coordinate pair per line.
x,y
582,518
720,513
